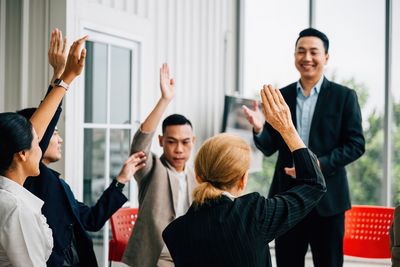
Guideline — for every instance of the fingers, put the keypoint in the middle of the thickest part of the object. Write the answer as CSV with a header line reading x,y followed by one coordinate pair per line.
x,y
64,48
280,97
255,105
136,157
82,57
266,107
167,69
164,72
51,46
60,42
274,93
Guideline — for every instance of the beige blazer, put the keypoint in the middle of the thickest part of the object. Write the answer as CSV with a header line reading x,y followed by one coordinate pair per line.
x,y
394,233
158,196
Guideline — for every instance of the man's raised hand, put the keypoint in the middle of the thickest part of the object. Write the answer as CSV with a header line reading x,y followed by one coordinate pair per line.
x,y
254,117
167,85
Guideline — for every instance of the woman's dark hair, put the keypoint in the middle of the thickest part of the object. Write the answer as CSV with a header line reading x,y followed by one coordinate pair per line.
x,y
15,135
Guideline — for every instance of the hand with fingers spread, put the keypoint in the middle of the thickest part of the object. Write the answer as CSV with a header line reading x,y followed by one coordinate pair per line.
x,y
57,53
166,83
254,117
277,114
75,60
275,109
134,163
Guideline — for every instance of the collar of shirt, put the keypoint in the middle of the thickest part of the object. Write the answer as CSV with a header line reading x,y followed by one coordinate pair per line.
x,y
229,195
316,88
175,171
16,189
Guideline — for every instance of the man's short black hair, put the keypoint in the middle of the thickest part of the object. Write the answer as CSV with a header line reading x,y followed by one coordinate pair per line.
x,y
175,119
315,33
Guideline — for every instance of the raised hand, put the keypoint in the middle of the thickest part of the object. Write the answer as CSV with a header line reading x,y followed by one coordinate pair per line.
x,y
166,83
275,109
57,53
75,60
134,163
254,117
277,114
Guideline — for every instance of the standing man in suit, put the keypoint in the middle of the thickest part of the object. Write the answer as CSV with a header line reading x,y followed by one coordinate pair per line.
x,y
328,118
165,183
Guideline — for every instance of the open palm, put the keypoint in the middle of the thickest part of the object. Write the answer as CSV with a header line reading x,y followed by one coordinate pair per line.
x,y
166,83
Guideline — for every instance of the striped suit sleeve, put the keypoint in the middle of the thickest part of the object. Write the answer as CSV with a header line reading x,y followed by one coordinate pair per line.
x,y
281,212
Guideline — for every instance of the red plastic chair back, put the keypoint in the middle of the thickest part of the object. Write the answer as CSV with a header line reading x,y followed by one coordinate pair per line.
x,y
367,231
122,223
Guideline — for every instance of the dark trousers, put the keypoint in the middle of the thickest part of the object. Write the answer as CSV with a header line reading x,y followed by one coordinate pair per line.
x,y
323,234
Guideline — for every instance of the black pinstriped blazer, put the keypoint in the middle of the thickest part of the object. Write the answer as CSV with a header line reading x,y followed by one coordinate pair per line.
x,y
230,233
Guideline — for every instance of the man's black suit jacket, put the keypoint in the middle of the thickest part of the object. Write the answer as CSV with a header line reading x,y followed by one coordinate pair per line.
x,y
336,137
225,232
65,215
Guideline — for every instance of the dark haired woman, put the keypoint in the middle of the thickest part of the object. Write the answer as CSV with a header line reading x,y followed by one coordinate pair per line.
x,y
25,238
223,228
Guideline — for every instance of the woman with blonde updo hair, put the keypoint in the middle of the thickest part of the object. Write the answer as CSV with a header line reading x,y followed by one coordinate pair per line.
x,y
221,163
225,228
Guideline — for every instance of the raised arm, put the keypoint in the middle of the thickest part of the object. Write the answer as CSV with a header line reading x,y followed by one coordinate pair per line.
x,y
280,213
167,94
57,56
277,114
75,62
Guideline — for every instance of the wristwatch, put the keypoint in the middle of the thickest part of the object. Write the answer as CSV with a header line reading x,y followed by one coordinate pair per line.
x,y
119,185
59,82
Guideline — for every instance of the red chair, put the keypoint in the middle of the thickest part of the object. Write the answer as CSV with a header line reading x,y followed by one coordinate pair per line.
x,y
367,232
122,223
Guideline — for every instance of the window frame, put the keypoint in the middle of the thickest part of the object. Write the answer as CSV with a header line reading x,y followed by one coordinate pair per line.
x,y
75,110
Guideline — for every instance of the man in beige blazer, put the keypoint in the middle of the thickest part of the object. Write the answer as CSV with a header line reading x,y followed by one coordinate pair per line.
x,y
165,183
394,233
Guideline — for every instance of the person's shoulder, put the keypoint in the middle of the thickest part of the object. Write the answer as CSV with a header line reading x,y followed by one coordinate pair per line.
x,y
174,226
288,88
9,204
8,200
249,199
338,87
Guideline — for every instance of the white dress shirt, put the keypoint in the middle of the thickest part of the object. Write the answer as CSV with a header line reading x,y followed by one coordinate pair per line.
x,y
183,196
25,238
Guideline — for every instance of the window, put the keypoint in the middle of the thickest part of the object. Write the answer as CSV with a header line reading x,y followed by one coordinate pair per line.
x,y
270,31
357,60
111,88
395,91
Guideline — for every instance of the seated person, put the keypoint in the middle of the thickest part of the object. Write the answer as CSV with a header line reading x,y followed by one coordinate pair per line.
x,y
25,238
68,218
223,228
165,183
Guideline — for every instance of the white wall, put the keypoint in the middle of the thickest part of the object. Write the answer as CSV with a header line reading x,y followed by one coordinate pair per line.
x,y
195,37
